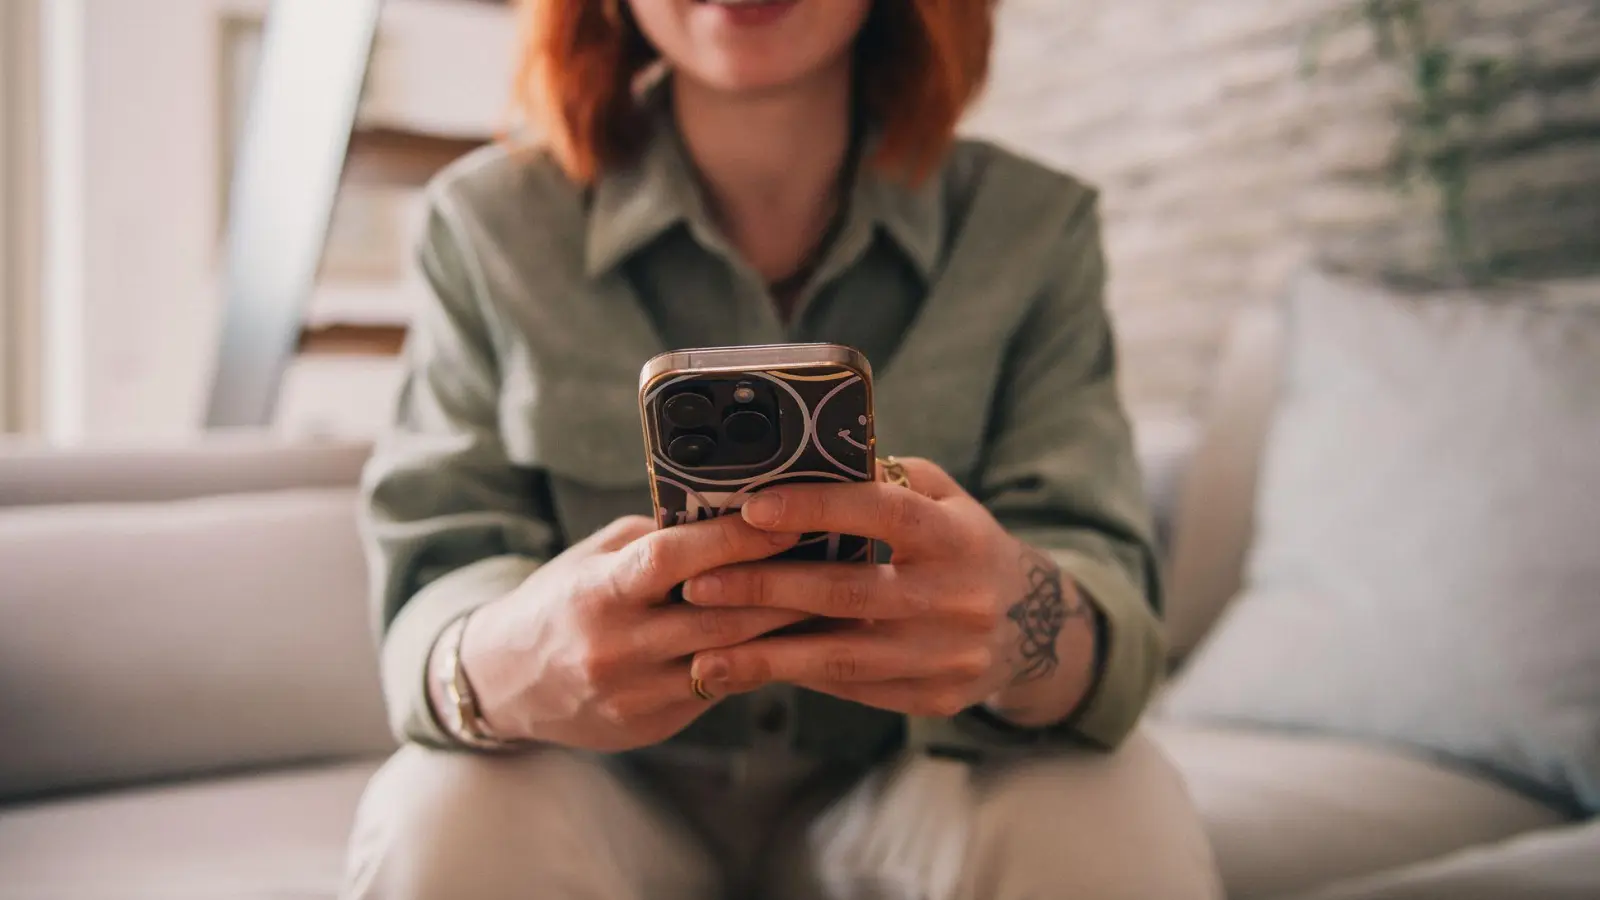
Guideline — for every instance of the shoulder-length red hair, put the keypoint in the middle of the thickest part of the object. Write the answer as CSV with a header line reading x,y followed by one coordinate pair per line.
x,y
919,64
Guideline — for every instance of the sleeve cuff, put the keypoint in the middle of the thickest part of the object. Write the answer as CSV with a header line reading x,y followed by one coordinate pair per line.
x,y
409,641
1135,651
1129,673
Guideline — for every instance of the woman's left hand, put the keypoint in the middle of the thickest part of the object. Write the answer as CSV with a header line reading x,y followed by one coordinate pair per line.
x,y
963,614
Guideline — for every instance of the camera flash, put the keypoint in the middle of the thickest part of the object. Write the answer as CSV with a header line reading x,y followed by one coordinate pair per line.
x,y
744,393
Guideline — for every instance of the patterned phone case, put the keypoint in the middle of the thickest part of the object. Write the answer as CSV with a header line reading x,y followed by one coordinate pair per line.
x,y
824,420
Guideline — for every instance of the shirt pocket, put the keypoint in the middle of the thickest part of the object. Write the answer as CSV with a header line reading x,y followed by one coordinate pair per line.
x,y
583,434
937,409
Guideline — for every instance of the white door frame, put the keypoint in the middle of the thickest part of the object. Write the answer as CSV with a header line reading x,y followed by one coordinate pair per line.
x,y
21,218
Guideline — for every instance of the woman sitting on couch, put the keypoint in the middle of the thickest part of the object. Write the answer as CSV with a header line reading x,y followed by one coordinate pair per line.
x,y
714,172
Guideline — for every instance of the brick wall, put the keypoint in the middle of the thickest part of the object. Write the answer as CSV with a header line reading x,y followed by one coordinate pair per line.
x,y
1224,167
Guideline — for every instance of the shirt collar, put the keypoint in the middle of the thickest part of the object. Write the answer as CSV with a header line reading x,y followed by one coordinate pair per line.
x,y
913,215
633,205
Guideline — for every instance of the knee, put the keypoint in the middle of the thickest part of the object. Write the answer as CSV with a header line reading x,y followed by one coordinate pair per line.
x,y
1115,825
434,823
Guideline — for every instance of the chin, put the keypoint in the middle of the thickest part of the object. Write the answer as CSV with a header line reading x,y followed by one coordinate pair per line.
x,y
750,71
753,77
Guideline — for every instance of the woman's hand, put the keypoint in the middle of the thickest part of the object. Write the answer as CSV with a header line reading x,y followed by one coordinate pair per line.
x,y
587,652
964,614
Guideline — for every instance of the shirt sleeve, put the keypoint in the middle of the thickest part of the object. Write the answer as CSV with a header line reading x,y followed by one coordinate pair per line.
x,y
449,522
1060,473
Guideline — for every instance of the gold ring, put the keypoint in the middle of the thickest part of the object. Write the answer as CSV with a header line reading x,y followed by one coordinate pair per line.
x,y
894,471
699,688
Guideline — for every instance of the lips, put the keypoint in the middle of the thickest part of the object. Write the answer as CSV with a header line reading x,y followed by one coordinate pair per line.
x,y
749,13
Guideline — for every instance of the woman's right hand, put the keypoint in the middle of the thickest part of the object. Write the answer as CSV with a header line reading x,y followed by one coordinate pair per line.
x,y
588,652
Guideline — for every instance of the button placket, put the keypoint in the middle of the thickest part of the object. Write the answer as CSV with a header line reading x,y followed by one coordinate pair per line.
x,y
772,716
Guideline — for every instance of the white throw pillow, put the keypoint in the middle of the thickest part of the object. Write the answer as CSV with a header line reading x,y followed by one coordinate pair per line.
x,y
1426,569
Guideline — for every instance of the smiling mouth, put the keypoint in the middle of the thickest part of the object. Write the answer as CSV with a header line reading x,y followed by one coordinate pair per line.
x,y
743,2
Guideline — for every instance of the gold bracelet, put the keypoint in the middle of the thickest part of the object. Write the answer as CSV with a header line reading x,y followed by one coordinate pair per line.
x,y
466,724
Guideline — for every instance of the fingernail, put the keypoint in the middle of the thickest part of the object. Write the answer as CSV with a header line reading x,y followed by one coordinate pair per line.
x,y
763,509
710,668
703,589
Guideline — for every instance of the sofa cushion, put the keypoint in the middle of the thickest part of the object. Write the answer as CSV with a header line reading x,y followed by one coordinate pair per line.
x,y
1550,864
1425,569
1286,813
278,836
142,641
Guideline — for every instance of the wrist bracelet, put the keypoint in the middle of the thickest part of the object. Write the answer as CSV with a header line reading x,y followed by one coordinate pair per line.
x,y
465,718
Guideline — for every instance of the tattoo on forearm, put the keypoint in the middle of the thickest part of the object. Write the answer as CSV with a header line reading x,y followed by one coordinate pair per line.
x,y
1040,615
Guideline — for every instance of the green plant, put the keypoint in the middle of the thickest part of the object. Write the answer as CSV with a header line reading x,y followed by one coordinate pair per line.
x,y
1454,94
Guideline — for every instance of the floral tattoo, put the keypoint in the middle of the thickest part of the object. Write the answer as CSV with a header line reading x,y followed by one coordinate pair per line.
x,y
1040,616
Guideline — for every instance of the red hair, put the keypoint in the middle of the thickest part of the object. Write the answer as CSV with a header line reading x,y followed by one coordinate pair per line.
x,y
919,63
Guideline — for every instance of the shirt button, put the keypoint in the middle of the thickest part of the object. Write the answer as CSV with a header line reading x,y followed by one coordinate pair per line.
x,y
772,717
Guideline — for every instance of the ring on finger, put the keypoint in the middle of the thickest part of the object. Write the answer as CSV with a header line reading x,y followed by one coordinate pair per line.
x,y
699,687
894,471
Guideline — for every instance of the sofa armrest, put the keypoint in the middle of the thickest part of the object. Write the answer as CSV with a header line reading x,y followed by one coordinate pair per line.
x,y
33,474
1213,525
1552,864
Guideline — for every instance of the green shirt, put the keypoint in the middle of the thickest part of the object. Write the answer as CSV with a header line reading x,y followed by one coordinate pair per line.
x,y
977,297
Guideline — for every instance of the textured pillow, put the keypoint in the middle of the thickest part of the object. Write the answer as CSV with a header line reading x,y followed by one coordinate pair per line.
x,y
1426,568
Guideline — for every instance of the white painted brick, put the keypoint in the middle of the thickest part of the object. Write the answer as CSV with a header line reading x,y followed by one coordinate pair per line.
x,y
1223,168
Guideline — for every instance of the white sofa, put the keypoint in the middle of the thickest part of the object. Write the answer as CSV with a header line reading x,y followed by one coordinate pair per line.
x,y
189,705
1309,817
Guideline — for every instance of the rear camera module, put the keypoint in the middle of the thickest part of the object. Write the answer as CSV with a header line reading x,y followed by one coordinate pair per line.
x,y
689,410
747,427
691,449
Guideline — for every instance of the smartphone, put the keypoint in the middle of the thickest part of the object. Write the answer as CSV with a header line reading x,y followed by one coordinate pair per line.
x,y
723,423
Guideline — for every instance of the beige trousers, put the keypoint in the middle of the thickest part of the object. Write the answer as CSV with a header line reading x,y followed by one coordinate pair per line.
x,y
668,825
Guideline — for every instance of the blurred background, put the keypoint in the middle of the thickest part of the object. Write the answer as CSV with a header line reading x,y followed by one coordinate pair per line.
x,y
206,219
1232,141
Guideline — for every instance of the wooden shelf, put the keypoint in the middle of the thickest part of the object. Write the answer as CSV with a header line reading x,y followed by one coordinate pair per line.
x,y
352,340
394,156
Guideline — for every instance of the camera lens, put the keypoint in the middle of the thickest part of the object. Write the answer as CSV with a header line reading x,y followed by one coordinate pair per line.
x,y
746,427
688,410
690,449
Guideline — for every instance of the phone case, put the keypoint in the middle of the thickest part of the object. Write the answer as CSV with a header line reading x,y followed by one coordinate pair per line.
x,y
825,428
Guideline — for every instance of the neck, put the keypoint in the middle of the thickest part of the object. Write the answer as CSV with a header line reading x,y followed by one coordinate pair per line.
x,y
770,164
